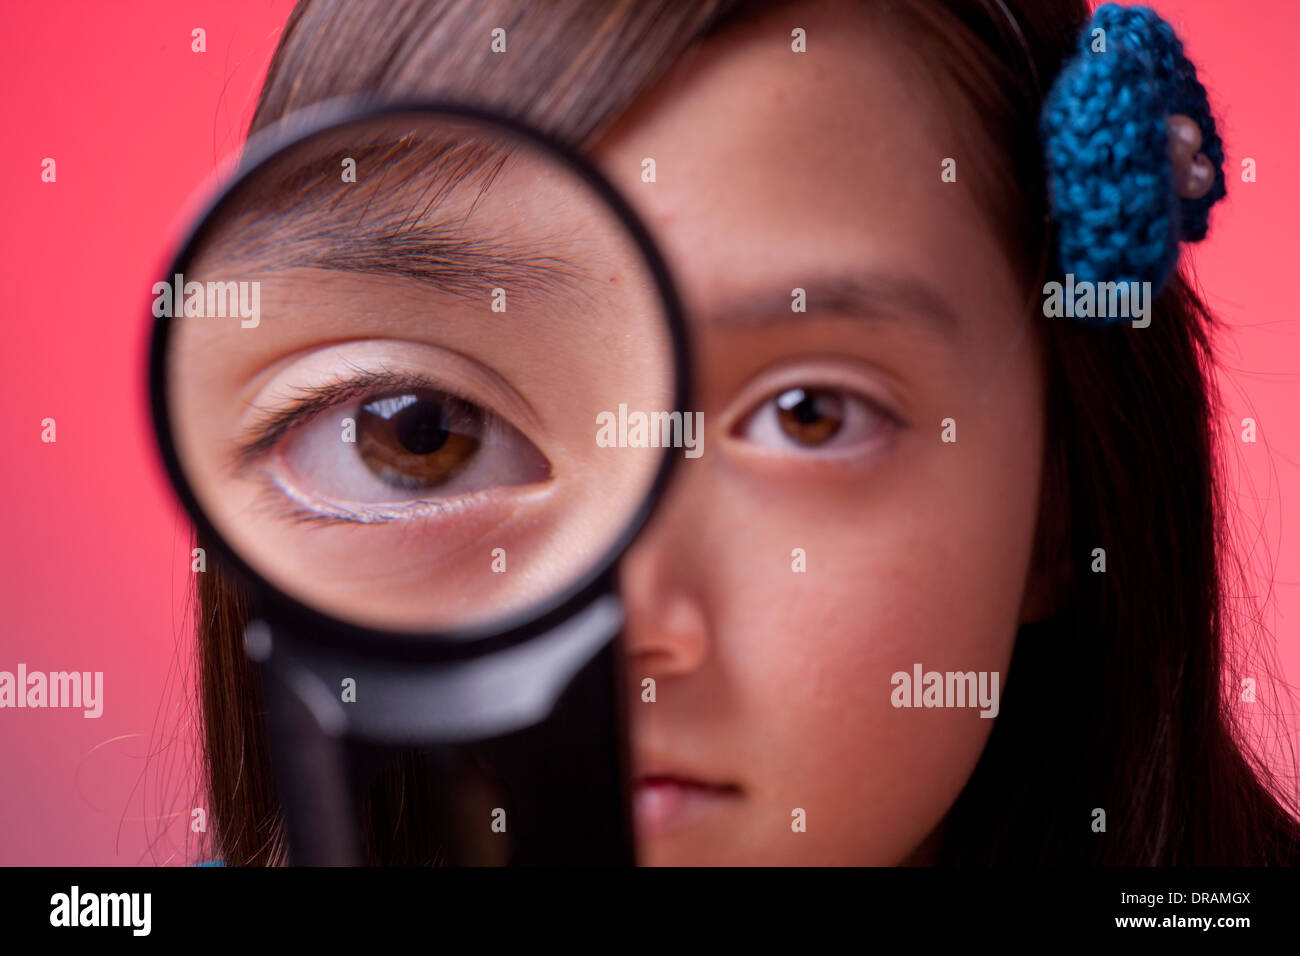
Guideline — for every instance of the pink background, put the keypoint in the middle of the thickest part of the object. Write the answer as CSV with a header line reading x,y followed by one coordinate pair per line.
x,y
95,563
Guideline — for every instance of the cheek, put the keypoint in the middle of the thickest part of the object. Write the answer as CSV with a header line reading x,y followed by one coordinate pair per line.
x,y
814,676
926,566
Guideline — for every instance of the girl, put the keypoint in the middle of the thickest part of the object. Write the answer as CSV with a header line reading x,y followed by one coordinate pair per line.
x,y
921,473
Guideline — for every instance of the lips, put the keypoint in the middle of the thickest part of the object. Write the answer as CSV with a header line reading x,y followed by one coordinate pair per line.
x,y
666,802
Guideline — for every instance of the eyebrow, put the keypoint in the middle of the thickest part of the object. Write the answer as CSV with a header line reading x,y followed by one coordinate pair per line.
x,y
873,296
453,262
312,224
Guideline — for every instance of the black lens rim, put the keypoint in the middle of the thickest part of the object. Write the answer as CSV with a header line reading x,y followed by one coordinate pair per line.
x,y
277,607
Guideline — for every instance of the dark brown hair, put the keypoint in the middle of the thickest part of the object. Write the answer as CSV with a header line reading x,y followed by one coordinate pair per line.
x,y
1117,700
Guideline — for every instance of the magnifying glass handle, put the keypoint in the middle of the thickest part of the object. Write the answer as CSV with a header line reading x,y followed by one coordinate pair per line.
x,y
312,774
552,792
569,775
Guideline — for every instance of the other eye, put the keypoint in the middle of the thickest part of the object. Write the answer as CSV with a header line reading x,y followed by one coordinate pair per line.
x,y
811,417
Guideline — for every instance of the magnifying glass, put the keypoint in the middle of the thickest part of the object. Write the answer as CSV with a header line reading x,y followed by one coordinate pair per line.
x,y
391,371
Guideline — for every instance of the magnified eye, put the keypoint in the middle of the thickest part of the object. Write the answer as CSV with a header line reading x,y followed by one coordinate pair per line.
x,y
402,447
809,417
418,441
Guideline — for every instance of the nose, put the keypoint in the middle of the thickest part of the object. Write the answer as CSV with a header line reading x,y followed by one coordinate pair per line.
x,y
663,583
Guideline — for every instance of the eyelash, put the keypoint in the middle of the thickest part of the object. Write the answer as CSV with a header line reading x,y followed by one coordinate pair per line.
x,y
262,436
280,503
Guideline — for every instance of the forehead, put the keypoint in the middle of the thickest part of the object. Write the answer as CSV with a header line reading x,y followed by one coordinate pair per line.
x,y
770,162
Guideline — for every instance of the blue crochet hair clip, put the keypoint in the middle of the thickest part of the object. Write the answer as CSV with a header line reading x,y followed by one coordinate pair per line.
x,y
1133,159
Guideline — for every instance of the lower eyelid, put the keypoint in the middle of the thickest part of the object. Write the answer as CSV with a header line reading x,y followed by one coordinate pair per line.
x,y
363,514
370,514
277,477
795,461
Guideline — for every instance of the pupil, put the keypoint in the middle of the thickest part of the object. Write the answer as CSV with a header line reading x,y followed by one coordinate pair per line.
x,y
419,427
806,411
802,405
810,416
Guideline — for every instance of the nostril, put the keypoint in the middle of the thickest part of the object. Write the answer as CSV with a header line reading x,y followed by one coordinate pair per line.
x,y
666,635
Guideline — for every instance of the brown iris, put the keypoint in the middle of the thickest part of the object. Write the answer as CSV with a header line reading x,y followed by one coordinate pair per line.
x,y
810,416
418,440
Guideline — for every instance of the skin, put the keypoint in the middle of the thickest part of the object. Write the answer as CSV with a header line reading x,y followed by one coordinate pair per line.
x,y
772,170
775,171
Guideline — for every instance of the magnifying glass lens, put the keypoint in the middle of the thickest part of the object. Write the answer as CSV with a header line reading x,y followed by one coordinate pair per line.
x,y
419,373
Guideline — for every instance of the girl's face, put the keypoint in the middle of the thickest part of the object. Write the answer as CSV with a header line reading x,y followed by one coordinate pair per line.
x,y
867,498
